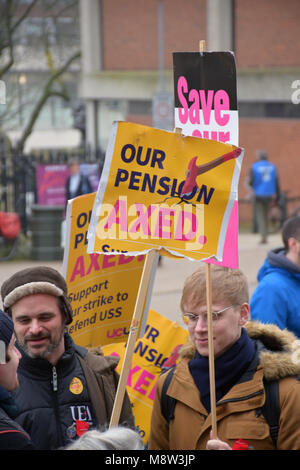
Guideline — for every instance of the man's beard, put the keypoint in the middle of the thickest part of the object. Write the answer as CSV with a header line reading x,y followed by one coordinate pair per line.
x,y
44,353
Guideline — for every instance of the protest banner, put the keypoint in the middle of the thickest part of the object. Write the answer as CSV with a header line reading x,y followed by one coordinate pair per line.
x,y
146,201
102,289
138,203
51,182
205,98
162,338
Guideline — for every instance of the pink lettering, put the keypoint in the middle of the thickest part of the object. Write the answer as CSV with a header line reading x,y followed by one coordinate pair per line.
x,y
183,216
206,105
130,374
221,105
194,108
142,219
184,111
224,137
78,268
106,261
164,221
152,393
143,380
94,263
112,219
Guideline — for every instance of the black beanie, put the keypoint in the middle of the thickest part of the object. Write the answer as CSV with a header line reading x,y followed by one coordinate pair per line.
x,y
6,332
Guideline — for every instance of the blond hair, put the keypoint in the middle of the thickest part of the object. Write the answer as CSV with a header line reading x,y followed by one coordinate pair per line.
x,y
226,284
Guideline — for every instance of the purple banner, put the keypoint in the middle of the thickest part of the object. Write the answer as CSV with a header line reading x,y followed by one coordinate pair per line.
x,y
51,182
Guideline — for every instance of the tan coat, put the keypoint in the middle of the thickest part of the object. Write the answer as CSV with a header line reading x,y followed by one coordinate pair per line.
x,y
237,411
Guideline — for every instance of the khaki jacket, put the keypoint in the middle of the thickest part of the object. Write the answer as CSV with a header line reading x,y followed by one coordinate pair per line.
x,y
238,412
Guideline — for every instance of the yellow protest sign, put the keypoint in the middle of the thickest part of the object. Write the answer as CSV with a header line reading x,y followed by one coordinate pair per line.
x,y
162,337
102,289
160,189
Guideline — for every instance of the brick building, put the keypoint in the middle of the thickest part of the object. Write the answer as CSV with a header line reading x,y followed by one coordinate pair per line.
x,y
127,50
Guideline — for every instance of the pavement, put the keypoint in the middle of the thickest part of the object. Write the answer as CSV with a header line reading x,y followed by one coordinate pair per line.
x,y
171,274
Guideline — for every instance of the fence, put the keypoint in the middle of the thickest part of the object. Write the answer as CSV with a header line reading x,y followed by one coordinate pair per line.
x,y
18,183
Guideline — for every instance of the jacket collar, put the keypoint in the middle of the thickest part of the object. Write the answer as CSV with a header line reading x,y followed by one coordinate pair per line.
x,y
278,350
41,367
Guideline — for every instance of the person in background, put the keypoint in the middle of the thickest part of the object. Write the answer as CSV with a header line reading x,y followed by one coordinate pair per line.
x,y
276,298
77,183
264,182
247,355
12,436
117,438
64,389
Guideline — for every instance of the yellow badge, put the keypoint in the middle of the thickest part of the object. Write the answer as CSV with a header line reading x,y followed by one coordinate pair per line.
x,y
76,386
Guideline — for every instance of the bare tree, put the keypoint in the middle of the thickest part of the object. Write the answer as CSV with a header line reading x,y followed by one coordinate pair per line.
x,y
13,14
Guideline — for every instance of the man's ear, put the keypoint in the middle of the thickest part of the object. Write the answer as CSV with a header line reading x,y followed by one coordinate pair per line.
x,y
244,314
293,244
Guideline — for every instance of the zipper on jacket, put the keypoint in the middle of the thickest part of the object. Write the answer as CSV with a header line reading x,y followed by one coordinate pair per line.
x,y
247,397
54,379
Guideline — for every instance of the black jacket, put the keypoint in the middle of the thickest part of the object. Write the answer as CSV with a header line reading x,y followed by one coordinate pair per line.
x,y
12,436
56,402
84,187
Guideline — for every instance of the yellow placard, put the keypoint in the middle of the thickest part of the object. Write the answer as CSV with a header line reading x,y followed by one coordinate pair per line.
x,y
162,190
162,338
102,289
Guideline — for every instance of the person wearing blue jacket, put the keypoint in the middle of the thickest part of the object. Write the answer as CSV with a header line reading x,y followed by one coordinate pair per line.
x,y
276,299
265,186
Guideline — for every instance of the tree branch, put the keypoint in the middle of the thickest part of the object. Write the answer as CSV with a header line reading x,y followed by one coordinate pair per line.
x,y
48,92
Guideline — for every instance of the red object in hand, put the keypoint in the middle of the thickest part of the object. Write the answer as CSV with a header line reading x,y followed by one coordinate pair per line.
x,y
240,444
81,427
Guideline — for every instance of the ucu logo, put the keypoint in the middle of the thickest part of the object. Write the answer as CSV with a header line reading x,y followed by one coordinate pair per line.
x,y
116,332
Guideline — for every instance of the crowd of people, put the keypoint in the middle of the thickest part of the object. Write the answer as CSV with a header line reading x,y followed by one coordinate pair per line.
x,y
55,394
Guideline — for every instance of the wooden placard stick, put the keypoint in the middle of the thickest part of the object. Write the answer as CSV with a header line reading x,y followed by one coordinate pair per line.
x,y
132,337
211,358
202,46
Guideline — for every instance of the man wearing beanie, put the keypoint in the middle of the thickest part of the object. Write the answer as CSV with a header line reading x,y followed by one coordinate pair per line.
x,y
64,389
12,436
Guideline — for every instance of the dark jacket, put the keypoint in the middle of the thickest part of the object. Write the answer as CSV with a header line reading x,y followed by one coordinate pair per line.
x,y
84,187
12,436
56,402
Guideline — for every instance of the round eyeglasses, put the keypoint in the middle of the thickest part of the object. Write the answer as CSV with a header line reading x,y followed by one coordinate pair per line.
x,y
193,317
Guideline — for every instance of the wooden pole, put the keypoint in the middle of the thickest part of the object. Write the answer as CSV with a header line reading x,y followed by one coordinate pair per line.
x,y
211,357
132,337
202,46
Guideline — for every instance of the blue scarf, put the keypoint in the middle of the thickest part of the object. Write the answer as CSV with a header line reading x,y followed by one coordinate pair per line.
x,y
229,367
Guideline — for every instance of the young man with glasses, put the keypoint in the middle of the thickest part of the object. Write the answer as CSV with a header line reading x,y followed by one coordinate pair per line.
x,y
246,354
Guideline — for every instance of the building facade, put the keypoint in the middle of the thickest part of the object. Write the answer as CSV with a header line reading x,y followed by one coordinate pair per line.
x,y
127,50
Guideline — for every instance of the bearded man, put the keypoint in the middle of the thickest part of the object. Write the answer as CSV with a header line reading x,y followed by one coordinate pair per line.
x,y
64,389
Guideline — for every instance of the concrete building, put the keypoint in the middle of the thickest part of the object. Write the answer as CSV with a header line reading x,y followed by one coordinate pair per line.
x,y
127,50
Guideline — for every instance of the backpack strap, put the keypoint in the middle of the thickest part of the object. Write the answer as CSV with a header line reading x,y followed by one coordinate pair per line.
x,y
271,408
167,403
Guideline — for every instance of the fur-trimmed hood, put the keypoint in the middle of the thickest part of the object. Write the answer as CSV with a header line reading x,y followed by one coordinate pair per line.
x,y
279,356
